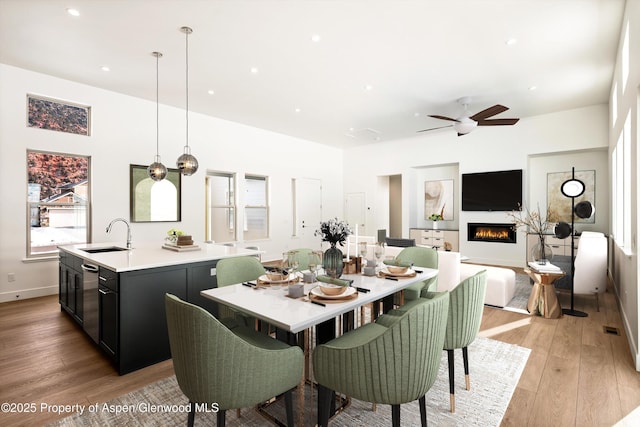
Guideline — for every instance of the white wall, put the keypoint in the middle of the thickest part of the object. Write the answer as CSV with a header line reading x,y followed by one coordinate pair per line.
x,y
486,149
623,265
124,133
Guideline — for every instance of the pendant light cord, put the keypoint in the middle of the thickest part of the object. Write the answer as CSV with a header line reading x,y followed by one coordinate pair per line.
x,y
187,78
157,105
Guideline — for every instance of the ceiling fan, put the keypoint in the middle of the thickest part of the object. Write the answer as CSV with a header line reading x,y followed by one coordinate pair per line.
x,y
466,124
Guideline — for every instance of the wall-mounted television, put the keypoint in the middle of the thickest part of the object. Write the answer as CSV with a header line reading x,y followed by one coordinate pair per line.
x,y
492,191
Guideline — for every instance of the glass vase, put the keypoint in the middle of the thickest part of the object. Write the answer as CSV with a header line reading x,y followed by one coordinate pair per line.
x,y
332,262
541,253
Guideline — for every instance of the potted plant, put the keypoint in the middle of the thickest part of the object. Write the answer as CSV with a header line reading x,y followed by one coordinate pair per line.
x,y
335,232
533,223
435,218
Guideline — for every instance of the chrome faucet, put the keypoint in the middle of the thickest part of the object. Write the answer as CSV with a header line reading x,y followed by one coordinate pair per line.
x,y
128,229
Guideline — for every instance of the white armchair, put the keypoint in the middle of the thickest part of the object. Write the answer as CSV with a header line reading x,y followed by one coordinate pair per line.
x,y
591,265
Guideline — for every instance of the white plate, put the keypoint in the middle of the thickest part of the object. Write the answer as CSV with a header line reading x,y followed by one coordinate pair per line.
x,y
318,292
265,278
409,272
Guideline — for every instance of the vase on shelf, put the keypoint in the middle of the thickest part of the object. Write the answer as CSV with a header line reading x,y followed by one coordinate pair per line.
x,y
435,225
332,261
541,253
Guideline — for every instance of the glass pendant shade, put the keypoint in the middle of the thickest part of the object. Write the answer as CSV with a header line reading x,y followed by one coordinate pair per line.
x,y
187,164
156,170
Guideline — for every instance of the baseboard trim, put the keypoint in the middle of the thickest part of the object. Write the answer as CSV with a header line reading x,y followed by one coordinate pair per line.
x,y
28,293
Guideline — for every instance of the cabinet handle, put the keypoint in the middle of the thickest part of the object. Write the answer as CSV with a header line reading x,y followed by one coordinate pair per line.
x,y
102,278
103,292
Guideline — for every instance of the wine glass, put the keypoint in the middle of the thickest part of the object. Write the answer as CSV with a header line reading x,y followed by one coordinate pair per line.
x,y
378,252
294,263
362,250
315,260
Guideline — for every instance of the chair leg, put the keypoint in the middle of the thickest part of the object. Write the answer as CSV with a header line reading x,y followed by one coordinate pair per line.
x,y
288,403
452,396
465,360
597,303
423,411
373,407
238,413
221,418
324,405
192,414
395,415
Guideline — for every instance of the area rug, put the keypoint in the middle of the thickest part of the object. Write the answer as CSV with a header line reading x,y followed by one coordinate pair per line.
x,y
495,370
523,289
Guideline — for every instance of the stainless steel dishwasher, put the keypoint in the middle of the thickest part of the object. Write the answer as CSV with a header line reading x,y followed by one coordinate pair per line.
x,y
90,300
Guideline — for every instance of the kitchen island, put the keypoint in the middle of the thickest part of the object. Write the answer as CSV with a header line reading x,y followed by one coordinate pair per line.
x,y
117,294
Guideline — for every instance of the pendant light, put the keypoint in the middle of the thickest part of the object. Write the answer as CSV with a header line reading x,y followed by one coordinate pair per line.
x,y
156,170
186,163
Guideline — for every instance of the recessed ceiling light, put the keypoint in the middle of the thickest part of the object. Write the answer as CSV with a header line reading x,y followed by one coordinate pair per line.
x,y
105,68
315,38
73,12
533,88
368,87
298,110
254,70
210,92
511,42
416,114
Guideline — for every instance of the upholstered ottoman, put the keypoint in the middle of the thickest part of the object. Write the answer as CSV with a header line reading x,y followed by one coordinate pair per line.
x,y
501,282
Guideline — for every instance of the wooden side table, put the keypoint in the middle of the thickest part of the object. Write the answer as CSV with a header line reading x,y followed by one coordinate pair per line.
x,y
543,300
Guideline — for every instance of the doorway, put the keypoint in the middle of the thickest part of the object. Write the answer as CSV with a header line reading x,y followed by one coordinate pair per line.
x,y
389,204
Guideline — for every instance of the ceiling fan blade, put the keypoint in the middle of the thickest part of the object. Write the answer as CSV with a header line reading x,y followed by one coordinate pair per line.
x,y
443,118
497,122
491,111
440,127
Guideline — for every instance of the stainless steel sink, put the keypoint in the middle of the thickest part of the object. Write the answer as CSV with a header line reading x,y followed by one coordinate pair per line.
x,y
101,250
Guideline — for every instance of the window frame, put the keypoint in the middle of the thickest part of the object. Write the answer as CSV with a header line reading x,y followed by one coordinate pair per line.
x,y
30,205
232,220
266,207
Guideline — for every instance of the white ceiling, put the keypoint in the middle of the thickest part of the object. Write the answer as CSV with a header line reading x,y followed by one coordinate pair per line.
x,y
419,57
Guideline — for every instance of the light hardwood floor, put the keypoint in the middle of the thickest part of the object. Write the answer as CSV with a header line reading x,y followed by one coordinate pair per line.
x,y
577,375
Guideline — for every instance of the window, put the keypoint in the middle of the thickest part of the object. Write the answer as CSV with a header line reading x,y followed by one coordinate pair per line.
x,y
256,209
221,207
621,187
58,201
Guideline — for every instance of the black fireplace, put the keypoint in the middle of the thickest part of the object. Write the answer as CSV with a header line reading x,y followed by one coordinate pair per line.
x,y
489,232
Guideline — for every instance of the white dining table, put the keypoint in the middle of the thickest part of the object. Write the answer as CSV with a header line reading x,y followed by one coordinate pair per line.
x,y
295,315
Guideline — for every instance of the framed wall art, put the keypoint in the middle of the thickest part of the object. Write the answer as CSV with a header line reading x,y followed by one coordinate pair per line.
x,y
155,201
56,115
559,206
438,199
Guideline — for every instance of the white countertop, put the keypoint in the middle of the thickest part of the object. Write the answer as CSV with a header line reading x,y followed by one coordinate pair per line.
x,y
151,255
295,315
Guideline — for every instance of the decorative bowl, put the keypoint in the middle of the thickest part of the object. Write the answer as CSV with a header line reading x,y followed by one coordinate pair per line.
x,y
395,269
331,289
276,276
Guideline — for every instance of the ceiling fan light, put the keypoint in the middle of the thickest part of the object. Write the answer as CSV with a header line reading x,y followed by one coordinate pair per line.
x,y
465,125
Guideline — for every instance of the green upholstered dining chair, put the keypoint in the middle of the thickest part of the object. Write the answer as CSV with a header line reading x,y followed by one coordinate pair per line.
x,y
419,256
230,271
466,304
392,361
234,368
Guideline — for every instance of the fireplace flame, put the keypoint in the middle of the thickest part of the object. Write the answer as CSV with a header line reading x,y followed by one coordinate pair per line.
x,y
489,233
